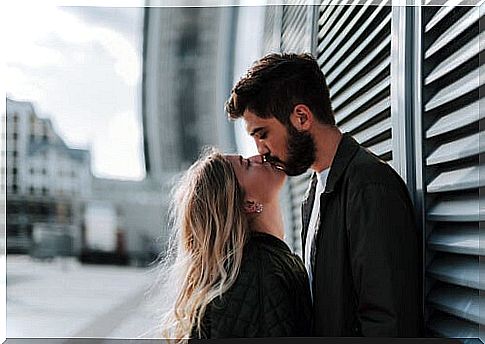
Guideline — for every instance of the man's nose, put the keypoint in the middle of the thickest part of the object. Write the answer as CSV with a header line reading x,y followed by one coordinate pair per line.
x,y
262,149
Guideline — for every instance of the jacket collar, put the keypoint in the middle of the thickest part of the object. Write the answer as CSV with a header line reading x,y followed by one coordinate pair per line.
x,y
269,239
346,150
344,154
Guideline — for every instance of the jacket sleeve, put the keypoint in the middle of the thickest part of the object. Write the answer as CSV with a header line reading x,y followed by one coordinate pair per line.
x,y
383,254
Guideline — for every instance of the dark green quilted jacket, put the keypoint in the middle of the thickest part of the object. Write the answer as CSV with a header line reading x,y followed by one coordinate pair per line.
x,y
270,297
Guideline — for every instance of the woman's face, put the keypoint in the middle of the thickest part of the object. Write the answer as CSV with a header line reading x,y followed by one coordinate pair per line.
x,y
260,180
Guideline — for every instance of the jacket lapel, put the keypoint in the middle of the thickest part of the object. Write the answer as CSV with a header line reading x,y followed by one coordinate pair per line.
x,y
346,150
306,209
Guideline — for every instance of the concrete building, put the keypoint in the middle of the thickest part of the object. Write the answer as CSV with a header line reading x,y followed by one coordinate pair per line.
x,y
139,210
45,179
187,76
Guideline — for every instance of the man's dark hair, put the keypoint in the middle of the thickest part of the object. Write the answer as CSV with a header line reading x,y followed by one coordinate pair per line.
x,y
276,83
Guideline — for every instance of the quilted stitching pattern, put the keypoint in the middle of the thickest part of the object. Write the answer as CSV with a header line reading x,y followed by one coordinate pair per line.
x,y
270,297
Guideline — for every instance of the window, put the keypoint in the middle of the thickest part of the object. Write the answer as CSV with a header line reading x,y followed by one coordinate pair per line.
x,y
31,190
44,172
44,191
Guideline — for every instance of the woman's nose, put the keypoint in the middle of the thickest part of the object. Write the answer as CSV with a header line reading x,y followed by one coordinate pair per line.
x,y
257,159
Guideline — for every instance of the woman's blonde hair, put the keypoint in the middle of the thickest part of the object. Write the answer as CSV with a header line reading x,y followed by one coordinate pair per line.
x,y
210,233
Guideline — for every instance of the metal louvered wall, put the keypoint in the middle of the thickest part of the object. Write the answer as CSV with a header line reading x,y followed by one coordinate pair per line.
x,y
272,29
353,51
452,142
429,132
296,37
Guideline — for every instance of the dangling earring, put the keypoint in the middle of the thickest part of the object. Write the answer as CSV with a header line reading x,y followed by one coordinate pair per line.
x,y
253,207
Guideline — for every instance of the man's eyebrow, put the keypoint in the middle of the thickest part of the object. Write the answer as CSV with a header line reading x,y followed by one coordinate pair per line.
x,y
255,131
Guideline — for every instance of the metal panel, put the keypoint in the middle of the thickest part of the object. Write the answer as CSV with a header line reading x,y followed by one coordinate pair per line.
x,y
371,132
364,99
296,37
272,29
462,238
461,302
457,269
341,31
445,326
456,209
353,51
367,116
461,179
459,88
452,143
344,96
459,149
457,119
470,18
462,55
294,33
359,67
355,54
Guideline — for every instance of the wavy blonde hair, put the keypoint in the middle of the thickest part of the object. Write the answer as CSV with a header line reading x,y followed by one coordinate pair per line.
x,y
210,233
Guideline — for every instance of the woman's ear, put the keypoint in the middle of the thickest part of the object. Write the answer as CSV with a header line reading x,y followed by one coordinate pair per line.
x,y
301,117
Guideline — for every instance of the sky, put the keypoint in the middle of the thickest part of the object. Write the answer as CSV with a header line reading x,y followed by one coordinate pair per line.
x,y
81,67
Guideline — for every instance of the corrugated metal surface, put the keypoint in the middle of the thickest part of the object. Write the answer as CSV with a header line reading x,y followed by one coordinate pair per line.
x,y
353,50
294,32
272,29
452,144
296,37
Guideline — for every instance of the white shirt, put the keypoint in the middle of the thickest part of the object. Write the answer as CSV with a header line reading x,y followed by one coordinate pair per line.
x,y
314,222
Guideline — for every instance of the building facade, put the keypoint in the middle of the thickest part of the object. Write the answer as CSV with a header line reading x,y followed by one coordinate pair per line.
x,y
187,73
45,180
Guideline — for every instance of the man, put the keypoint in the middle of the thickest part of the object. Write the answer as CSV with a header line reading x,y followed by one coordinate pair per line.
x,y
360,242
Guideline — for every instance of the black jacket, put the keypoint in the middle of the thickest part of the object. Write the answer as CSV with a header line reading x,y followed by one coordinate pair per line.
x,y
270,297
367,270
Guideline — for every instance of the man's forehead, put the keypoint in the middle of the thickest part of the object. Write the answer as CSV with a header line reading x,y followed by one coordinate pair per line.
x,y
254,122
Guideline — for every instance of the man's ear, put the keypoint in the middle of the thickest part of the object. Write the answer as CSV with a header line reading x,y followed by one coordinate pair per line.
x,y
301,117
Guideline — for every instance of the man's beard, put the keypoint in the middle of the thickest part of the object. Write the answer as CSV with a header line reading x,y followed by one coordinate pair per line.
x,y
301,152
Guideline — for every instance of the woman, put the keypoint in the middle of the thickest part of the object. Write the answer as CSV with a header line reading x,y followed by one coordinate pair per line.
x,y
233,275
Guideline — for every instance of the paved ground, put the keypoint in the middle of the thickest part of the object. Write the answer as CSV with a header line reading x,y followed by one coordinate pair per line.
x,y
64,298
